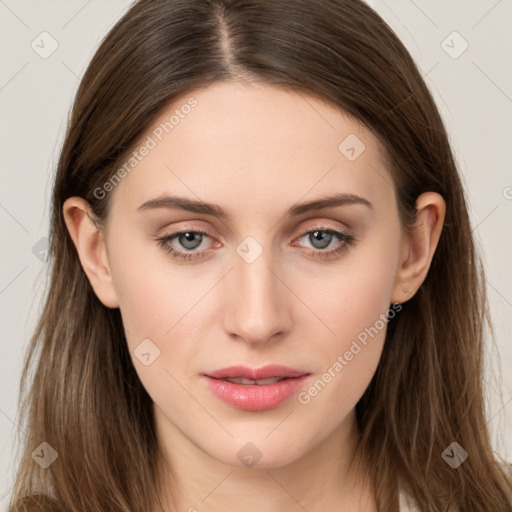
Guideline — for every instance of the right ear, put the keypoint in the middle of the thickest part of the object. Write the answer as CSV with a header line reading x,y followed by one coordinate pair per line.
x,y
90,245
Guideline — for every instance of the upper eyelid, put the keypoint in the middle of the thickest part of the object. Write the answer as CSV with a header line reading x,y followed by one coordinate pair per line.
x,y
301,233
322,226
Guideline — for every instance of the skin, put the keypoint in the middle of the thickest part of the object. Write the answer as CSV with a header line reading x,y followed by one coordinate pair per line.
x,y
256,150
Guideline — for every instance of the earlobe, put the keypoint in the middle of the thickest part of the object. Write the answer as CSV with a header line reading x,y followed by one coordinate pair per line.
x,y
419,246
90,245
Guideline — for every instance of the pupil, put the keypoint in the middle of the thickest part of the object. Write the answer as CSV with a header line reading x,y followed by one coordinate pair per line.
x,y
190,240
322,237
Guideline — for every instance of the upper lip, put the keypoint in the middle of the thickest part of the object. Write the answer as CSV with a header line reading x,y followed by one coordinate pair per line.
x,y
265,372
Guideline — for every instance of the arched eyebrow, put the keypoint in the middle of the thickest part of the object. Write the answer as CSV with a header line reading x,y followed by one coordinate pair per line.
x,y
191,205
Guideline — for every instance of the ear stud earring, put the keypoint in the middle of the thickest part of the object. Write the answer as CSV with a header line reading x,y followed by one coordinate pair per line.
x,y
404,290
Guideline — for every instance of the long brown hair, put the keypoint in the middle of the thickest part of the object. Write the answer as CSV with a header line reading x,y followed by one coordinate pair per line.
x,y
80,392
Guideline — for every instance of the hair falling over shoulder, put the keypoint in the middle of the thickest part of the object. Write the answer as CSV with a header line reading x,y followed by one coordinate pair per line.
x,y
80,392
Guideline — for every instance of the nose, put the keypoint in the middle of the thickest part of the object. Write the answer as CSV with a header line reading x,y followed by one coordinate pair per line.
x,y
258,305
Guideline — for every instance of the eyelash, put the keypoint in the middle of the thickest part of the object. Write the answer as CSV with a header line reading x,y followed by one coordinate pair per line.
x,y
347,240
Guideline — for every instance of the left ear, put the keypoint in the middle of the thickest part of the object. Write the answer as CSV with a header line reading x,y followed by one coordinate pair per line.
x,y
419,245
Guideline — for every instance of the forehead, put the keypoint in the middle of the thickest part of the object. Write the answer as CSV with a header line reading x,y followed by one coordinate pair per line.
x,y
251,148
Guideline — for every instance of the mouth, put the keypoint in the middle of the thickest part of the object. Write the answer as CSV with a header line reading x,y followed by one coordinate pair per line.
x,y
249,382
258,389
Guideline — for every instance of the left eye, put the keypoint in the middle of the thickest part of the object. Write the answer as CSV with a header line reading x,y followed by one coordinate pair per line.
x,y
190,239
320,240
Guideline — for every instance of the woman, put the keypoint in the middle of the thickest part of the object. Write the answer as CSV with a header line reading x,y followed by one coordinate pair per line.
x,y
264,289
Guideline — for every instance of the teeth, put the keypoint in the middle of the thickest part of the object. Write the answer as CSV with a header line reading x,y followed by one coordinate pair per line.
x,y
262,382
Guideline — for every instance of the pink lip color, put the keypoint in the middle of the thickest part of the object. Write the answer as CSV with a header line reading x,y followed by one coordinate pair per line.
x,y
249,397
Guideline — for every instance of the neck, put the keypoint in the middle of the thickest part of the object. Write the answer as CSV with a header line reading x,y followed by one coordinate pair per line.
x,y
321,479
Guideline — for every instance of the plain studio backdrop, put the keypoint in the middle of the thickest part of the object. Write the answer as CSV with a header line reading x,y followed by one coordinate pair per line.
x,y
463,48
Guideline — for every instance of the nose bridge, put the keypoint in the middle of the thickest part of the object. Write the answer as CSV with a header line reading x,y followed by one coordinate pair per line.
x,y
257,307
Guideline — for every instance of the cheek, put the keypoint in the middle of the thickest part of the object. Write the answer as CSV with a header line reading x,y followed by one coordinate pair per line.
x,y
354,295
157,310
163,303
353,304
144,305
153,295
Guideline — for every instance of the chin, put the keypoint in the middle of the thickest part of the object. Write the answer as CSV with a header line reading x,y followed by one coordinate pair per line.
x,y
259,453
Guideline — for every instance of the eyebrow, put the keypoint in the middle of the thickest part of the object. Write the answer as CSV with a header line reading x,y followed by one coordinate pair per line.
x,y
190,205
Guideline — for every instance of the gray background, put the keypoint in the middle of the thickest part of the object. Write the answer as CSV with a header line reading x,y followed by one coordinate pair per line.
x,y
473,89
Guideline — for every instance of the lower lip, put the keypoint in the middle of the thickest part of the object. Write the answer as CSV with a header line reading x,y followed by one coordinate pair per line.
x,y
251,397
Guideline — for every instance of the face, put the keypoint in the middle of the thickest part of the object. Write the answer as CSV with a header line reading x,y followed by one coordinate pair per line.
x,y
278,279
